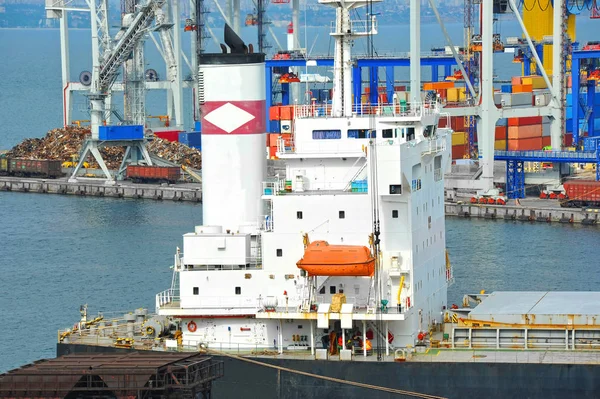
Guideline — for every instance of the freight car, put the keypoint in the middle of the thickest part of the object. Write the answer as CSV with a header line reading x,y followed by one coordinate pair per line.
x,y
30,167
153,174
581,193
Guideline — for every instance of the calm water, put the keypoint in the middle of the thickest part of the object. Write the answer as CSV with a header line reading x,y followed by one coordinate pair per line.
x,y
59,252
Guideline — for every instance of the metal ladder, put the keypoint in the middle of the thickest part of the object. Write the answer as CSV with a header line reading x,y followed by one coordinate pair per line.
x,y
258,258
307,293
109,69
381,334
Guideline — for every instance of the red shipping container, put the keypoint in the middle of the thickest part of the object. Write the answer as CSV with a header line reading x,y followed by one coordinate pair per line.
x,y
568,140
458,123
274,113
527,120
443,122
500,133
525,144
286,112
169,135
546,141
459,152
399,88
583,190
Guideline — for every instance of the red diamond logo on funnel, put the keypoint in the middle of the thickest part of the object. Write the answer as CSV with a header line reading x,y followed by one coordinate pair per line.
x,y
233,117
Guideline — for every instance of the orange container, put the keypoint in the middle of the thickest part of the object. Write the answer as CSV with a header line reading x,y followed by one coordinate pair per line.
x,y
500,133
273,139
286,112
272,152
274,113
527,120
437,85
522,88
525,144
546,141
516,80
524,132
287,138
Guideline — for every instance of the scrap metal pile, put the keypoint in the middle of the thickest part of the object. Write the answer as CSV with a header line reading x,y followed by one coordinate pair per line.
x,y
64,143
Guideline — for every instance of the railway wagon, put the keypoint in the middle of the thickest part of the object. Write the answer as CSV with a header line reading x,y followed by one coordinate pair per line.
x,y
581,193
30,167
147,174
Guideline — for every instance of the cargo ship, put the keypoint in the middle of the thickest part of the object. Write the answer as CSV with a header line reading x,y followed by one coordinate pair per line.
x,y
327,276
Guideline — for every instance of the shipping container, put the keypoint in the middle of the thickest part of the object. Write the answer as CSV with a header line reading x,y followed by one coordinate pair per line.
x,y
582,193
272,152
537,82
500,133
125,132
459,152
500,145
568,139
274,113
521,99
525,144
459,138
515,80
502,122
590,143
191,139
522,88
546,141
169,135
286,112
457,123
198,126
274,126
437,85
144,173
506,88
524,132
34,167
523,121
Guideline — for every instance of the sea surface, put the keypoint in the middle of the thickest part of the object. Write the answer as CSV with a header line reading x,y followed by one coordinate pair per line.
x,y
58,252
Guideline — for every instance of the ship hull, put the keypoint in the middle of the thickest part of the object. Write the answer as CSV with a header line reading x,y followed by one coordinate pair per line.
x,y
449,380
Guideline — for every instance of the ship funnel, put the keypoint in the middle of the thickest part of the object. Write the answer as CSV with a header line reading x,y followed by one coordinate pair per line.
x,y
235,43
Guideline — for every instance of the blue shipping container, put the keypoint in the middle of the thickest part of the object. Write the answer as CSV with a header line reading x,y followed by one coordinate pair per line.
x,y
191,139
502,122
506,88
274,127
198,126
127,132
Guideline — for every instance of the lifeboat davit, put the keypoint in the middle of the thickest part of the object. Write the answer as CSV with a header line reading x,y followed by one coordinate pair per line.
x,y
322,259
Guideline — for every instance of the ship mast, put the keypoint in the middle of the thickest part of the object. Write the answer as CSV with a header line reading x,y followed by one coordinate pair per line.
x,y
344,31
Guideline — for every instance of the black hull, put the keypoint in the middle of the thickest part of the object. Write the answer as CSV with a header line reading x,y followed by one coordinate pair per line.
x,y
450,380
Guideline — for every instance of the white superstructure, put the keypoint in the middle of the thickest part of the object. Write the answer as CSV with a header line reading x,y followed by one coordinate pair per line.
x,y
237,283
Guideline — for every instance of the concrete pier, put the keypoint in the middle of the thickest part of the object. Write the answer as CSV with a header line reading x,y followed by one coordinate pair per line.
x,y
96,188
528,210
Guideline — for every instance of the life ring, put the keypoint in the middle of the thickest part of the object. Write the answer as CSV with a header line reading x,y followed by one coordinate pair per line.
x,y
192,326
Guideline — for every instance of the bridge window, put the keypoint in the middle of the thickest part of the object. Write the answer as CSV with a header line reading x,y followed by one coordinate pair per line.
x,y
361,134
332,289
342,214
387,133
410,133
299,215
395,214
196,291
326,134
279,252
238,290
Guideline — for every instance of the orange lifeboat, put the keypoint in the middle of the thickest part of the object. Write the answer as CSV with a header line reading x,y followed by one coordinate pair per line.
x,y
322,259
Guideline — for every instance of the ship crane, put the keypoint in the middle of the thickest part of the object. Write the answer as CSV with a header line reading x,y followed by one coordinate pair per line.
x,y
105,72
